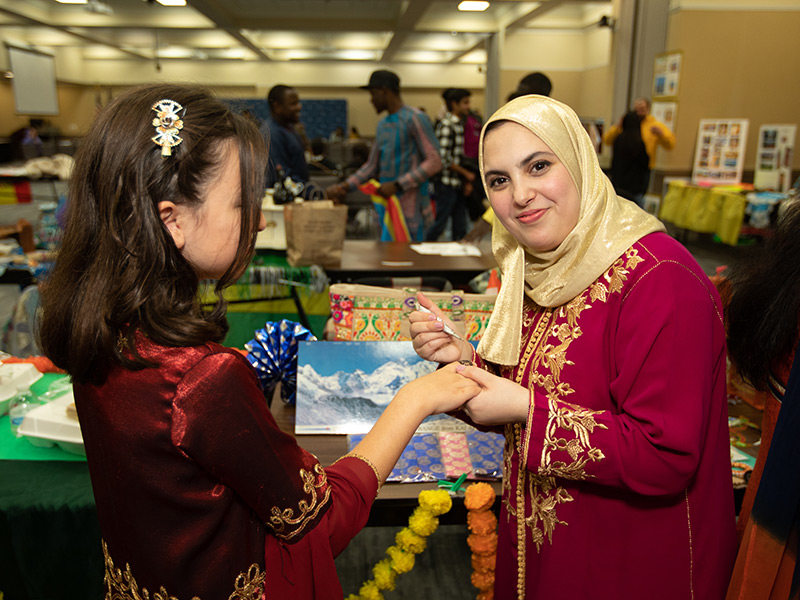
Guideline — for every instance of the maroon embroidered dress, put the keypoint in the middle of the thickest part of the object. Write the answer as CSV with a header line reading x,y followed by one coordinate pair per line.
x,y
625,490
200,495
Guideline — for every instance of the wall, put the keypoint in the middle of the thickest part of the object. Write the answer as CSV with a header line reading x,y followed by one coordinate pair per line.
x,y
577,61
738,63
76,103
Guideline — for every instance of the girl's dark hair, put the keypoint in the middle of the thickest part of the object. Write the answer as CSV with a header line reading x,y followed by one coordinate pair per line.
x,y
763,313
118,270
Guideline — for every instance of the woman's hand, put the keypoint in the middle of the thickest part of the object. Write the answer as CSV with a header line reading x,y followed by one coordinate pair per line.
x,y
444,390
428,336
500,401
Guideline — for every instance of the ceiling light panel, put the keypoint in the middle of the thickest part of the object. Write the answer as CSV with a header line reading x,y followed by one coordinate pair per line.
x,y
176,52
473,5
476,57
424,56
100,52
286,40
40,36
442,41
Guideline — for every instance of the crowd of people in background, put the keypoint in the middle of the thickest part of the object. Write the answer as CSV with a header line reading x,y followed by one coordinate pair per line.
x,y
431,165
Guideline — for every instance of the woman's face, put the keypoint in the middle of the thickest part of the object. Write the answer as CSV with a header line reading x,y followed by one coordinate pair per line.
x,y
530,189
212,231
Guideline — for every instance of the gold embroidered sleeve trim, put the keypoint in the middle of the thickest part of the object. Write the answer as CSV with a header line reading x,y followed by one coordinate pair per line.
x,y
369,463
287,524
122,585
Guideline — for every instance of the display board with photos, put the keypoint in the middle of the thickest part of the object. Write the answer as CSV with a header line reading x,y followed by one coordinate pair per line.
x,y
774,157
719,155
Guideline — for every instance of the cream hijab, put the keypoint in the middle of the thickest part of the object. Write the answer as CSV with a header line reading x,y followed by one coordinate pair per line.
x,y
607,226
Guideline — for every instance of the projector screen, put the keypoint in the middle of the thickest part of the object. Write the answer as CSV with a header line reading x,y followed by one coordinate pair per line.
x,y
34,82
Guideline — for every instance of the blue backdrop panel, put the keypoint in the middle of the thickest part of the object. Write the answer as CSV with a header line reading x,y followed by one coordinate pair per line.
x,y
320,117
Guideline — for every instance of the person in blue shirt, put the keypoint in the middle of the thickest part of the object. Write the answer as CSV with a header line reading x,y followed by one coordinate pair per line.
x,y
286,147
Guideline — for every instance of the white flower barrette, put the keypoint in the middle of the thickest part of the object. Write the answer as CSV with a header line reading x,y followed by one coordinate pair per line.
x,y
168,124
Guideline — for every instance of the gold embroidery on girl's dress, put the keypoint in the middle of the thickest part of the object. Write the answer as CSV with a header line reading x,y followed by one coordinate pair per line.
x,y
122,585
307,509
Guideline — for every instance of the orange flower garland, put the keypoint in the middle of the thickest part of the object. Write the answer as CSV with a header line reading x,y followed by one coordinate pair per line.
x,y
483,539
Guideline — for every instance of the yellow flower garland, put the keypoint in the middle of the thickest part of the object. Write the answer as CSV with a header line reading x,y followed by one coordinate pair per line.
x,y
409,542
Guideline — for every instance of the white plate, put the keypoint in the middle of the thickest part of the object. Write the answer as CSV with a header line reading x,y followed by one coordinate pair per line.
x,y
49,424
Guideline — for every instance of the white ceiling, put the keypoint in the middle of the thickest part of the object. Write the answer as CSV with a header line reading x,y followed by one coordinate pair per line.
x,y
388,31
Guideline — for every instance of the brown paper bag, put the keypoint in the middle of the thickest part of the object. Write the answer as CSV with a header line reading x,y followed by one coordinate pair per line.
x,y
314,233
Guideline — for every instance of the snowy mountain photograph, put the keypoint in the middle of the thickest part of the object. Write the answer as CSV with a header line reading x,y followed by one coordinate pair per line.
x,y
343,387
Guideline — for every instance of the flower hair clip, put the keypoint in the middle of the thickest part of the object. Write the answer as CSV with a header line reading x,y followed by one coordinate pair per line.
x,y
167,125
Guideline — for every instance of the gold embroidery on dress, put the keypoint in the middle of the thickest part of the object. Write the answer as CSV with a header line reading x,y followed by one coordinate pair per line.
x,y
122,585
569,426
308,509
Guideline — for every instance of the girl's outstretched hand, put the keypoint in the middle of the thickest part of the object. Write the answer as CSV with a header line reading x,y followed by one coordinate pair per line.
x,y
500,401
444,390
428,336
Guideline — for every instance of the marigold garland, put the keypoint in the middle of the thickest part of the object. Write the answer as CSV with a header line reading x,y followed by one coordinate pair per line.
x,y
483,539
409,542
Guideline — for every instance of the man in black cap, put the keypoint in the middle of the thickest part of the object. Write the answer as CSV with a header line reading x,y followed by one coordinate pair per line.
x,y
404,156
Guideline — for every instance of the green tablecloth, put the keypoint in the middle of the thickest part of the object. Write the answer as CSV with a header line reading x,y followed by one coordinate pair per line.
x,y
49,534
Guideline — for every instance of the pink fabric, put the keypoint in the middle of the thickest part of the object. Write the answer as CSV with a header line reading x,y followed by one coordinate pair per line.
x,y
633,497
455,454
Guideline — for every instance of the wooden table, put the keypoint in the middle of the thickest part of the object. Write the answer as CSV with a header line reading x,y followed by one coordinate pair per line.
x,y
371,258
395,500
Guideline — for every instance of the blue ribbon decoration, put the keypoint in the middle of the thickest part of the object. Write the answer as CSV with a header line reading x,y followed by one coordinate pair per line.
x,y
273,354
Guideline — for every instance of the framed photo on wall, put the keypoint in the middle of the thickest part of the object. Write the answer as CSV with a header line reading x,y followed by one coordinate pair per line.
x,y
667,74
666,113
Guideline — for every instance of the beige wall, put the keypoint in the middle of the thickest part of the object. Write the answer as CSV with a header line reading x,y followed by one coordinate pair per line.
x,y
741,64
76,103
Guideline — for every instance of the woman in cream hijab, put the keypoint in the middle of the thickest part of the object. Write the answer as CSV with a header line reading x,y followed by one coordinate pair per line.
x,y
604,366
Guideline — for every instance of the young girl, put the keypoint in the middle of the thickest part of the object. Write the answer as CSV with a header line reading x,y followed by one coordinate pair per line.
x,y
604,362
199,494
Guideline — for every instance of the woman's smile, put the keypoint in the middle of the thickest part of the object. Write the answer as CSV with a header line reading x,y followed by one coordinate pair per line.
x,y
531,216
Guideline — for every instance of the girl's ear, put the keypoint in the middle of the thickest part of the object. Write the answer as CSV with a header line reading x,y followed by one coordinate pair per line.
x,y
169,213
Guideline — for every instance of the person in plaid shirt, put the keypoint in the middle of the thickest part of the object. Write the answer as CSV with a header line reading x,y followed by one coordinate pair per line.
x,y
448,192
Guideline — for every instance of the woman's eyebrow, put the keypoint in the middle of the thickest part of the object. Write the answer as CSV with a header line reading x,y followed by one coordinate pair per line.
x,y
533,156
494,172
527,160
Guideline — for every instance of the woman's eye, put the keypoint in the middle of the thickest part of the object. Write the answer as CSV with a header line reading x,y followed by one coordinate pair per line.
x,y
497,181
540,165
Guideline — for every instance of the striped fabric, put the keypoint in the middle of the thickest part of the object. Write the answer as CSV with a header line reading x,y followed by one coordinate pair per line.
x,y
405,150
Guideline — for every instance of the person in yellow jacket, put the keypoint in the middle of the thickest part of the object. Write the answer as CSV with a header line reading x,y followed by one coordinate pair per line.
x,y
654,133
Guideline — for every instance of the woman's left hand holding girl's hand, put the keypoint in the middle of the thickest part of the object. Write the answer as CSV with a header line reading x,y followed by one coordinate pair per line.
x,y
500,401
